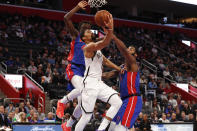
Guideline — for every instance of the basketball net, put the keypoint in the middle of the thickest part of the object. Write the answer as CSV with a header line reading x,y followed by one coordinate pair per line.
x,y
96,3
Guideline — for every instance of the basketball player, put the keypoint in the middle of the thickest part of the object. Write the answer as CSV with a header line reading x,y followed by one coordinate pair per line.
x,y
75,70
76,67
94,88
129,89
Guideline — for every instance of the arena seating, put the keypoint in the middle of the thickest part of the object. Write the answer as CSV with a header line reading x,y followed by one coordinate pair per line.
x,y
46,49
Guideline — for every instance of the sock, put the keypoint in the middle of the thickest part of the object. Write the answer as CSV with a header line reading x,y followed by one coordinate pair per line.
x,y
104,124
64,100
70,122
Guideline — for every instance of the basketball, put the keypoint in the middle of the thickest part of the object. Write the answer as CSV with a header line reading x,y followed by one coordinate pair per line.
x,y
101,16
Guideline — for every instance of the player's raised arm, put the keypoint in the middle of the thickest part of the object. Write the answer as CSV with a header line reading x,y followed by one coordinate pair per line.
x,y
129,56
67,18
103,43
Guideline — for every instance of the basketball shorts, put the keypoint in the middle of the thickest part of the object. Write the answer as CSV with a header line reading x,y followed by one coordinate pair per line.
x,y
129,111
95,89
71,70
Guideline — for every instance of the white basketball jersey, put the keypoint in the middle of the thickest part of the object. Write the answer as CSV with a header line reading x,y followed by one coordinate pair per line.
x,y
94,65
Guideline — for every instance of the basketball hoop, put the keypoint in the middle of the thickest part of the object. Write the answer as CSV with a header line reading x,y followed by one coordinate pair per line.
x,y
96,3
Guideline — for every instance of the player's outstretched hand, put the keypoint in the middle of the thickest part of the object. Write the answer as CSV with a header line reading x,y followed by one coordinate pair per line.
x,y
83,4
109,23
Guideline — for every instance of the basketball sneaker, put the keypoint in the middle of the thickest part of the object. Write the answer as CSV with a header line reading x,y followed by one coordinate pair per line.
x,y
65,128
60,109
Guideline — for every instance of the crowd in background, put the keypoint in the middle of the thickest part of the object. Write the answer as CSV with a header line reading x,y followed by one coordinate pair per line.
x,y
23,112
47,63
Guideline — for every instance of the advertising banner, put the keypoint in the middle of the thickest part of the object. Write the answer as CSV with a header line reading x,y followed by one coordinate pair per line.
x,y
15,80
172,127
37,127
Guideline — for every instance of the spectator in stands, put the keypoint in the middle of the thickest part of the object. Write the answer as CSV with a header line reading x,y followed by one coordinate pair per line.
x,y
146,71
46,79
179,77
194,82
6,111
178,115
153,118
141,116
168,116
39,74
145,124
22,69
183,117
152,84
154,50
61,48
22,107
166,72
161,65
35,118
64,61
173,118
167,89
28,106
17,62
51,59
22,117
172,101
10,118
137,124
186,109
30,114
50,117
6,53
191,117
32,68
168,108
11,107
163,118
55,77
160,90
3,117
181,105
48,69
143,80
16,115
10,62
156,106
41,115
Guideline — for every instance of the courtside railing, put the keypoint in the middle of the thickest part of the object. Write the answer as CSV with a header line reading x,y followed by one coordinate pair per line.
x,y
3,68
41,103
149,65
10,99
34,82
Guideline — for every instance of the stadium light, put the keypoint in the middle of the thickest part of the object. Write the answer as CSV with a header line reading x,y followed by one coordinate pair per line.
x,y
186,42
193,2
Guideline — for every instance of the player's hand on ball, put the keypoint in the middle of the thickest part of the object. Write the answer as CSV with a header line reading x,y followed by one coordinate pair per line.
x,y
83,4
110,22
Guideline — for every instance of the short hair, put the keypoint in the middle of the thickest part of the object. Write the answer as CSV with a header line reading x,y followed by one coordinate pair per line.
x,y
83,26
